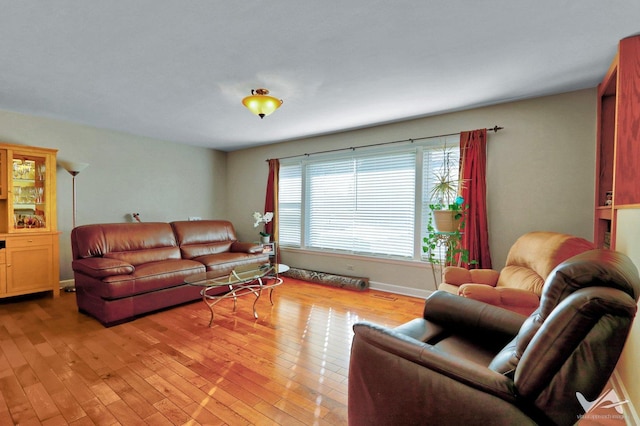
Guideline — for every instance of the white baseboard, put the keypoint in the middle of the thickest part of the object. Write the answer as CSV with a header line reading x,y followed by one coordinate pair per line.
x,y
406,291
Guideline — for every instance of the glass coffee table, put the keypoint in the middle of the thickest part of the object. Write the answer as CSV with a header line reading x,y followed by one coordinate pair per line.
x,y
239,282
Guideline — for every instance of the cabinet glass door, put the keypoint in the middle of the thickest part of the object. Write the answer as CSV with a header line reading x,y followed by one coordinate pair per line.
x,y
29,192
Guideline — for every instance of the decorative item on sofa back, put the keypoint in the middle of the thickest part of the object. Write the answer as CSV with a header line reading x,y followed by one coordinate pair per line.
x,y
467,362
518,285
123,270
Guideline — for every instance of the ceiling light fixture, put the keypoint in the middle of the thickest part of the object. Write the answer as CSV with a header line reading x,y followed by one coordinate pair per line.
x,y
260,103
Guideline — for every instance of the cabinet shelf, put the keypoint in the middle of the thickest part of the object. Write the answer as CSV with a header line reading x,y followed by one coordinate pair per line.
x,y
605,212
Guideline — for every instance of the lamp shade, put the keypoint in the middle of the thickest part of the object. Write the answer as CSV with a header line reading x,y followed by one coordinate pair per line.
x,y
73,167
260,103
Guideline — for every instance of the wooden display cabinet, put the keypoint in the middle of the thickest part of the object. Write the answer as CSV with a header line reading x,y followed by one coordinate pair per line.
x,y
618,142
29,254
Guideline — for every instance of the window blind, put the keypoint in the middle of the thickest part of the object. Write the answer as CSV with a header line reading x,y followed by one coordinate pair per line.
x,y
290,205
363,203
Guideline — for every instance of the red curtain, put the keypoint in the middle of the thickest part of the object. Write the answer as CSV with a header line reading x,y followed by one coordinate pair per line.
x,y
473,165
271,198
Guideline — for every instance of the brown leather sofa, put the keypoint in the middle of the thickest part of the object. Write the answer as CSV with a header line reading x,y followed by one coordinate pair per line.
x,y
124,270
518,285
469,363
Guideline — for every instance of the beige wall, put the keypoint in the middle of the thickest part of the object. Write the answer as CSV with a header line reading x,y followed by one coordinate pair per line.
x,y
162,181
628,242
540,176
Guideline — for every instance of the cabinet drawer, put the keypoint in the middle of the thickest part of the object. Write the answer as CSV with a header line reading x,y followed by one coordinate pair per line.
x,y
28,240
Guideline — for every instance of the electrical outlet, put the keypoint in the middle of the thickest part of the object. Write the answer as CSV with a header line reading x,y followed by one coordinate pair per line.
x,y
349,267
192,218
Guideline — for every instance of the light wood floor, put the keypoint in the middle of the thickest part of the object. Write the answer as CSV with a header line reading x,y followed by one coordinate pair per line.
x,y
289,367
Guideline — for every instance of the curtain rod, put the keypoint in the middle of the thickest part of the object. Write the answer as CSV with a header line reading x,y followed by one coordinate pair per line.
x,y
353,148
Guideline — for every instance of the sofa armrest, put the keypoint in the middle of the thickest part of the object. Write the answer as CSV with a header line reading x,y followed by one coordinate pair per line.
x,y
456,275
470,316
394,379
240,247
514,299
480,292
100,267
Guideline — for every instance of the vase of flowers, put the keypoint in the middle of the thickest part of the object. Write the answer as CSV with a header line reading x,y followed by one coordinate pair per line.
x,y
263,218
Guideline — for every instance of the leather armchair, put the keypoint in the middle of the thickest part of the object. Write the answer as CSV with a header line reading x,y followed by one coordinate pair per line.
x,y
518,285
467,362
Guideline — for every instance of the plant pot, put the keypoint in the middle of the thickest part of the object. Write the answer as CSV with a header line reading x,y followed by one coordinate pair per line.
x,y
265,239
445,220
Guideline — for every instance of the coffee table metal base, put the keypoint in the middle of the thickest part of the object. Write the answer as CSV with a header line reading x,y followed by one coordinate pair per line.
x,y
239,284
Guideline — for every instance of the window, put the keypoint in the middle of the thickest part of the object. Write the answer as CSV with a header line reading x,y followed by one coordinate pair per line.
x,y
290,205
362,202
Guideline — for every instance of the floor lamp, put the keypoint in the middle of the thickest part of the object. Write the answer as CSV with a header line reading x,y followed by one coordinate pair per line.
x,y
73,168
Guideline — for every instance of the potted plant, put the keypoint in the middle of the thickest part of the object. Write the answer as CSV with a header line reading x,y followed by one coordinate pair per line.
x,y
451,242
446,205
258,219
445,225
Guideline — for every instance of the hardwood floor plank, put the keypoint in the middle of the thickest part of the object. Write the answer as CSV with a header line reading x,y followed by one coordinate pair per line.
x,y
144,388
5,415
12,353
288,367
41,401
172,412
68,406
129,395
124,414
19,406
58,420
76,386
98,413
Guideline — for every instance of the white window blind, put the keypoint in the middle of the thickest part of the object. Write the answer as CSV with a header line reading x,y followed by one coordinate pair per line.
x,y
290,205
365,203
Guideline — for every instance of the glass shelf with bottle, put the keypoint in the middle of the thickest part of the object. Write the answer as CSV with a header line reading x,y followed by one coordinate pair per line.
x,y
28,176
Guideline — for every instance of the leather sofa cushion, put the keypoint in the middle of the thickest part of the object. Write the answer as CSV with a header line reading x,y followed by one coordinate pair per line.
x,y
203,237
224,263
459,276
149,277
542,251
140,257
522,278
203,231
194,250
100,239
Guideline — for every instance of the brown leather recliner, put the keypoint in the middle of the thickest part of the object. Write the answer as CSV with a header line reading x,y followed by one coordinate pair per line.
x,y
518,285
467,362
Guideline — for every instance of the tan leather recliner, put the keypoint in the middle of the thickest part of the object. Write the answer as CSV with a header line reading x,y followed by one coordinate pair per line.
x,y
468,363
518,285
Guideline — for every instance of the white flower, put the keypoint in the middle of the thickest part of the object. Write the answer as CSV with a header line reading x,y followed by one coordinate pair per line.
x,y
258,218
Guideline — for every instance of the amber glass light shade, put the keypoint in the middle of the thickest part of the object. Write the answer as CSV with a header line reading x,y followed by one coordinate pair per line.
x,y
260,103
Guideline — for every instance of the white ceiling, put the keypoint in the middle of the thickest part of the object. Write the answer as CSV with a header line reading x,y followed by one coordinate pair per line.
x,y
177,70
